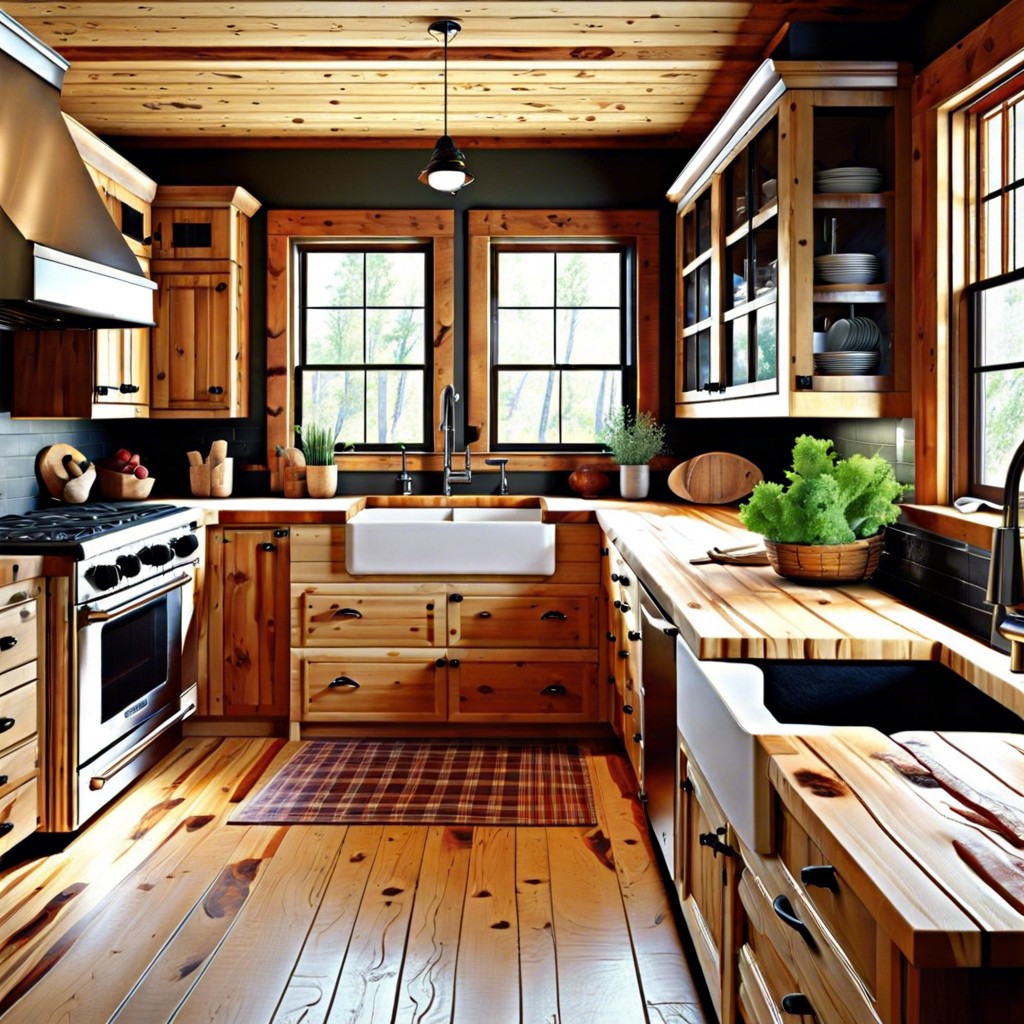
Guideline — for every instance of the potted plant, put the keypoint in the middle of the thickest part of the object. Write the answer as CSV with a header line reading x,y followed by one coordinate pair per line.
x,y
633,441
318,450
827,523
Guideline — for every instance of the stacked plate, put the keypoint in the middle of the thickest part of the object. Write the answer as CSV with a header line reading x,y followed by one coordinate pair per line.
x,y
832,364
846,268
857,334
849,179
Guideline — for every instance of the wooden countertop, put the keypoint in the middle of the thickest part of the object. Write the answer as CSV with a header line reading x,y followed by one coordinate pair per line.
x,y
732,612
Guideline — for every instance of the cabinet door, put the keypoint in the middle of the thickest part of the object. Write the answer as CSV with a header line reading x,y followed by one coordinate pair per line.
x,y
194,343
248,659
121,370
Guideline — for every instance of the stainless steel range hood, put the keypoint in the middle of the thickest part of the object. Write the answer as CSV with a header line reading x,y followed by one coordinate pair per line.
x,y
63,262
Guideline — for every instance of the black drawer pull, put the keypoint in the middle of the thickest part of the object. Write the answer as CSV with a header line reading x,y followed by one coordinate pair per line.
x,y
796,1002
456,598
624,607
5,827
821,875
611,680
222,287
7,723
560,616
215,389
627,709
348,613
3,780
343,681
554,690
267,546
618,604
785,913
623,654
615,577
280,533
484,615
610,637
637,737
604,551
633,635
441,662
7,642
624,580
454,663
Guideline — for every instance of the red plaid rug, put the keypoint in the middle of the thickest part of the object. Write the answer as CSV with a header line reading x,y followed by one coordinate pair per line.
x,y
428,783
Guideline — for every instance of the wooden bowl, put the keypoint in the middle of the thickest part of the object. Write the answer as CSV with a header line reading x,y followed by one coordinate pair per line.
x,y
825,563
123,486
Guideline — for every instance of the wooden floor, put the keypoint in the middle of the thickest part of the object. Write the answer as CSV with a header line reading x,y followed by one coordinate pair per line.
x,y
160,910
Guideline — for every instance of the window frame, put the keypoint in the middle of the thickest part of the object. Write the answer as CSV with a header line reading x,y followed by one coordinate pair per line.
x,y
287,230
638,229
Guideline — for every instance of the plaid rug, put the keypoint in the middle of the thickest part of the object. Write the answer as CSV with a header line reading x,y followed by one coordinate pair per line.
x,y
428,783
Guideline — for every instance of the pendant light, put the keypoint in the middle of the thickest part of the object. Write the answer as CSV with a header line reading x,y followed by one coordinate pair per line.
x,y
447,171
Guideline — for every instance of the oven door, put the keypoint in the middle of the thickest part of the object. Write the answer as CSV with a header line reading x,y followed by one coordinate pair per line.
x,y
129,663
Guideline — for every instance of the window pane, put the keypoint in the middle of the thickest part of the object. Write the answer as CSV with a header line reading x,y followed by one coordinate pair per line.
x,y
394,406
395,278
1016,201
334,279
1016,132
589,336
766,343
589,278
395,335
998,419
1001,325
992,225
335,397
525,336
528,409
526,279
992,152
334,336
739,344
587,398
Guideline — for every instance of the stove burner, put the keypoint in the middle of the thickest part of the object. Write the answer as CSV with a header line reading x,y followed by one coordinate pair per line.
x,y
76,522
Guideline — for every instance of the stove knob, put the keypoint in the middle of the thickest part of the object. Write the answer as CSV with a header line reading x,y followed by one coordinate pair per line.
x,y
130,565
156,554
104,577
185,545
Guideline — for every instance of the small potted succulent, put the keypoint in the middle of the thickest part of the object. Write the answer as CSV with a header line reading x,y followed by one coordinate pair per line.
x,y
318,450
827,524
633,441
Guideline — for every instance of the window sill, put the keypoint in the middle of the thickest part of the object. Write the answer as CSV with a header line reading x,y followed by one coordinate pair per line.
x,y
974,528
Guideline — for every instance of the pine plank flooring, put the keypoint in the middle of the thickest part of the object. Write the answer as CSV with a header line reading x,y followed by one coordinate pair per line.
x,y
162,911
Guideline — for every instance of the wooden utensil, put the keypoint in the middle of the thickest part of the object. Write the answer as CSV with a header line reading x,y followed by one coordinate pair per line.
x,y
194,458
714,478
218,452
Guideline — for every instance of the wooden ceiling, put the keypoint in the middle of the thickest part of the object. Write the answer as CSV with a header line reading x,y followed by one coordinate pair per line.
x,y
318,72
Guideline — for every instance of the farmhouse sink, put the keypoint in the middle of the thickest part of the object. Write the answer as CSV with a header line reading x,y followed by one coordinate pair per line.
x,y
445,541
723,707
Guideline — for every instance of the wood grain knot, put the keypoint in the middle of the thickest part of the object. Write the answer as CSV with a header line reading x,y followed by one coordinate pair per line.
x,y
820,784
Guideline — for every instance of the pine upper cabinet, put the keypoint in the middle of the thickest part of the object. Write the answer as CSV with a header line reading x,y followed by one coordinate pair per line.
x,y
200,344
811,159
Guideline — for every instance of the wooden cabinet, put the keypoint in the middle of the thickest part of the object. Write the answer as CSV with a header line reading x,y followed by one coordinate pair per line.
x,y
94,374
20,697
200,344
248,636
755,213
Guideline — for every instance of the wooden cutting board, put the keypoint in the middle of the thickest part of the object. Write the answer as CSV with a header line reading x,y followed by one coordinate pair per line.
x,y
50,468
714,478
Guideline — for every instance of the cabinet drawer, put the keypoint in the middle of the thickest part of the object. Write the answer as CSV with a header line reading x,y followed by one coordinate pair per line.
x,y
773,971
18,628
511,687
19,815
371,617
756,1004
543,620
19,764
392,686
17,714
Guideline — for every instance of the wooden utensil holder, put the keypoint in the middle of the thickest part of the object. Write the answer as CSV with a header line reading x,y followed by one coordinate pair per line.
x,y
212,481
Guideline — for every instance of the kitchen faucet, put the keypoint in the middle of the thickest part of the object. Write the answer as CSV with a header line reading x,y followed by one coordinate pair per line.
x,y
449,397
1006,570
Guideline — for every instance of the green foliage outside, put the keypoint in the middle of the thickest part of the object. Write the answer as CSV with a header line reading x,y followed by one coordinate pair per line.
x,y
633,441
828,500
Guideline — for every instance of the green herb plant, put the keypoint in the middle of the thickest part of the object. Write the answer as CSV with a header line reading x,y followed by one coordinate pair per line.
x,y
633,440
317,444
828,500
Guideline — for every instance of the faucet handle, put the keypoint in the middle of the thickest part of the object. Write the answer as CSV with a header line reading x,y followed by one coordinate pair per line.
x,y
503,482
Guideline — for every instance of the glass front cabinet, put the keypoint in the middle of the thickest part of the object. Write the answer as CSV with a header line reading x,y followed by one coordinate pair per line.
x,y
793,237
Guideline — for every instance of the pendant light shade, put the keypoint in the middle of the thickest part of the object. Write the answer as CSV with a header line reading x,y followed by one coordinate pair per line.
x,y
447,171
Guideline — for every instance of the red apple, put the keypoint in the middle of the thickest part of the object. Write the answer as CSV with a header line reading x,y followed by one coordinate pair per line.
x,y
141,472
123,455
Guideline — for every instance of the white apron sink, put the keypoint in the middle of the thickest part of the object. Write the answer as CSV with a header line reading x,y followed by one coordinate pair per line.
x,y
449,541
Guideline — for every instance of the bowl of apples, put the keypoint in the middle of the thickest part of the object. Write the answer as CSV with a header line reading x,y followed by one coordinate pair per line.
x,y
124,477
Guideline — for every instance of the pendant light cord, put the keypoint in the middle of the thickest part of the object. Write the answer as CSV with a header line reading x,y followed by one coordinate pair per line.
x,y
446,81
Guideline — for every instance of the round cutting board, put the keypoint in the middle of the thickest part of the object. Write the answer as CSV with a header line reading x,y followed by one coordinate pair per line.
x,y
50,468
714,478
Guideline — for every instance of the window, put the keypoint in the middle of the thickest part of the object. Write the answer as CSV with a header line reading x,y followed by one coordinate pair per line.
x,y
563,327
363,365
360,308
996,298
562,343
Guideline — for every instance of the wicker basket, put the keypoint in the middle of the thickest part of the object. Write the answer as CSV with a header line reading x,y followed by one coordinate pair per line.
x,y
825,563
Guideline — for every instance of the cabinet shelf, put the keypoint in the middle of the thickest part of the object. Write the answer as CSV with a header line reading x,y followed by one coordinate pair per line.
x,y
875,293
853,200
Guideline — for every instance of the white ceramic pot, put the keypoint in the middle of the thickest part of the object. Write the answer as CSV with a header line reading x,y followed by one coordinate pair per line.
x,y
322,481
634,481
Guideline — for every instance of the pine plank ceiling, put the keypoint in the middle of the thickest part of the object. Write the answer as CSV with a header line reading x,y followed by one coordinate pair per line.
x,y
318,72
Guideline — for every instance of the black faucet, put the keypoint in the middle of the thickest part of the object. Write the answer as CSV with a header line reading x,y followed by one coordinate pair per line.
x,y
1006,571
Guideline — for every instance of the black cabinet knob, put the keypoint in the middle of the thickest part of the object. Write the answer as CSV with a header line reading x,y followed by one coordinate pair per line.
x,y
222,287
796,1002
637,737
627,709
610,637
281,533
268,546
484,615
623,654
554,690
7,642
456,598
633,635
615,577
7,723
441,662
624,607
454,663
215,389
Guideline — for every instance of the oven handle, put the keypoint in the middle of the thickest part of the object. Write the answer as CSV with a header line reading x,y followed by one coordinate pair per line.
x,y
99,781
87,618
